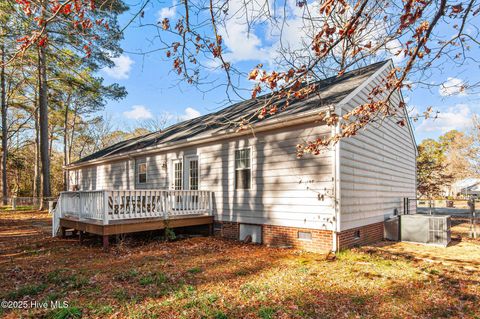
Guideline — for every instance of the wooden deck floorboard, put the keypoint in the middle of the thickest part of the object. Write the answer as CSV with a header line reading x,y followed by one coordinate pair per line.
x,y
133,225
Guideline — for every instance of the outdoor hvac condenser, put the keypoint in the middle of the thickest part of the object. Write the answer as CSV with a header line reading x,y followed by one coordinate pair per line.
x,y
426,229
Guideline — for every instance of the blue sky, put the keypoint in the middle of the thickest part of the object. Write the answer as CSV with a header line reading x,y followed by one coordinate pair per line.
x,y
154,90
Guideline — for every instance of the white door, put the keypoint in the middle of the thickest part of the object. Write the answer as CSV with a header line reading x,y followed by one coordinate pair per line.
x,y
191,173
191,182
177,183
186,177
177,175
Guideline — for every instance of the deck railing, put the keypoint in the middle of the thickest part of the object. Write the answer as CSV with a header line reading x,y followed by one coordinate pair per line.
x,y
109,205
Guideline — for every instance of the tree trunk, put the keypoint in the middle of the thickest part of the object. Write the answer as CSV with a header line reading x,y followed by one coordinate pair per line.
x,y
72,132
66,152
65,148
50,141
43,121
4,130
37,182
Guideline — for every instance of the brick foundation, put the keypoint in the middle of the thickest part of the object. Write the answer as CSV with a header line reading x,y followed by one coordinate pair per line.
x,y
279,236
228,230
321,240
359,236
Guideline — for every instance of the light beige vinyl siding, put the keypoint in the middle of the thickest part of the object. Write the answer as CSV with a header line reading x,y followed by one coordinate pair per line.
x,y
284,189
376,171
115,175
377,167
156,172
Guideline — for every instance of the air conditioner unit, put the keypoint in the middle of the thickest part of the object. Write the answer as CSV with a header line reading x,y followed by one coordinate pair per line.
x,y
425,229
391,228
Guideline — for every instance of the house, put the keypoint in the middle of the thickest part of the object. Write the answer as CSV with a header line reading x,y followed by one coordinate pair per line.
x,y
249,183
464,188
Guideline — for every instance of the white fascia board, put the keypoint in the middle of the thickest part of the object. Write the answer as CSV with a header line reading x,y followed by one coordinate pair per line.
x,y
273,123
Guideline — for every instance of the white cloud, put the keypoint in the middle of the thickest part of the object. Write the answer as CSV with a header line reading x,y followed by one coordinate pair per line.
x,y
267,41
168,12
189,113
412,111
242,45
391,51
138,112
458,117
452,86
122,68
240,38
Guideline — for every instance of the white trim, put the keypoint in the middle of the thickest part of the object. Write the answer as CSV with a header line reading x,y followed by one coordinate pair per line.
x,y
337,191
338,212
349,97
249,147
137,171
172,172
337,156
273,123
409,124
365,83
186,169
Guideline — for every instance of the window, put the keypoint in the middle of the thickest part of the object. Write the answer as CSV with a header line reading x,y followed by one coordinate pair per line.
x,y
243,171
193,176
304,235
178,175
142,173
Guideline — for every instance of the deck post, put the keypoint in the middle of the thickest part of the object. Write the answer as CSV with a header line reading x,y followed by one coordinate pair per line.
x,y
105,207
106,242
80,236
167,198
210,204
81,204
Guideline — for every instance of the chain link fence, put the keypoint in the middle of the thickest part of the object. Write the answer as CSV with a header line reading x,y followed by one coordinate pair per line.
x,y
460,210
25,203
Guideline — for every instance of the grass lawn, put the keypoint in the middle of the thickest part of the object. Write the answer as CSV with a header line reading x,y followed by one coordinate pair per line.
x,y
214,278
19,208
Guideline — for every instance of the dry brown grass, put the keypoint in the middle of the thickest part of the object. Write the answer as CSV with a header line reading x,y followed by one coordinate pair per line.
x,y
213,278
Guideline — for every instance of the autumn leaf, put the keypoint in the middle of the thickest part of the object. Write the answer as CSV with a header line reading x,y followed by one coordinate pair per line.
x,y
457,8
253,74
67,9
165,24
262,114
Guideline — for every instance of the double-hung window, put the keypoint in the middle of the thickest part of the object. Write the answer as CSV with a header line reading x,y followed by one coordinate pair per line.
x,y
193,174
178,175
142,172
243,168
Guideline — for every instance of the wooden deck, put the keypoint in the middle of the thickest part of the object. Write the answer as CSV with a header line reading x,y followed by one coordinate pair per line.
x,y
113,212
131,225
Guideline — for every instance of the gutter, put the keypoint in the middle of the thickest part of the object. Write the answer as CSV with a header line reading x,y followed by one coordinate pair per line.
x,y
274,123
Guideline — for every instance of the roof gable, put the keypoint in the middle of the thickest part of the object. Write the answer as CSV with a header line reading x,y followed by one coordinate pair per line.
x,y
329,92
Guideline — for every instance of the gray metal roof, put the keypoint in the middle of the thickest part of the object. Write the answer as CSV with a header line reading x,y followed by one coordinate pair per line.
x,y
330,91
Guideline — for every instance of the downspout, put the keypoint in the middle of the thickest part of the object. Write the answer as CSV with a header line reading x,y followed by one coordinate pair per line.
x,y
336,189
128,164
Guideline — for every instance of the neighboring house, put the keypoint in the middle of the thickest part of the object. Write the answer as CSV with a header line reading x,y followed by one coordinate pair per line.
x,y
259,187
465,188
